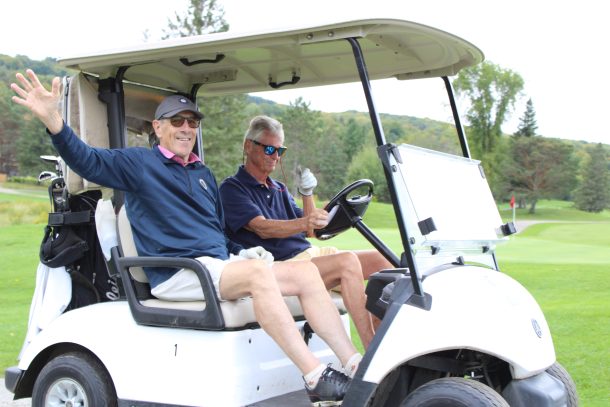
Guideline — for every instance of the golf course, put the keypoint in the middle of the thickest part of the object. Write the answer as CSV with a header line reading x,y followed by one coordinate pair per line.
x,y
562,257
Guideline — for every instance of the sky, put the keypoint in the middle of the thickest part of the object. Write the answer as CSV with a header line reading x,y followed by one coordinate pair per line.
x,y
558,47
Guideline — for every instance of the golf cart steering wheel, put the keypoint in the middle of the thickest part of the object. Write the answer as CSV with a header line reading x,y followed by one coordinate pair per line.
x,y
346,210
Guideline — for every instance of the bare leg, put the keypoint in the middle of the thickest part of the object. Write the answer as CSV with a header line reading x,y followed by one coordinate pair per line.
x,y
344,269
372,261
255,278
302,278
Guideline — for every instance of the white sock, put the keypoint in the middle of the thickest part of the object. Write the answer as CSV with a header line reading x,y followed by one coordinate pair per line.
x,y
352,365
312,378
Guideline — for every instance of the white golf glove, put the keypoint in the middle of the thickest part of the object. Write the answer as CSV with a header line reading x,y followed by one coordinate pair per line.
x,y
256,253
307,182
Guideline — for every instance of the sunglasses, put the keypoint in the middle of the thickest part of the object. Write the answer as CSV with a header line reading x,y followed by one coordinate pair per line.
x,y
270,150
178,121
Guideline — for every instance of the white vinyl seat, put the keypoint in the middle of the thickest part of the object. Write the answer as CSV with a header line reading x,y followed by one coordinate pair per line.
x,y
236,314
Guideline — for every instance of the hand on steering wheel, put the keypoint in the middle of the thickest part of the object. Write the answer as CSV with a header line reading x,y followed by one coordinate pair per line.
x,y
346,209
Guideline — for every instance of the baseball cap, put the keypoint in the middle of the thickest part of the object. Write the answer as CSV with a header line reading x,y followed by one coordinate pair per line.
x,y
175,104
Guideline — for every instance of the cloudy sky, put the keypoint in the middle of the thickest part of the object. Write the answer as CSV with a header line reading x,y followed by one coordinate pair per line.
x,y
558,47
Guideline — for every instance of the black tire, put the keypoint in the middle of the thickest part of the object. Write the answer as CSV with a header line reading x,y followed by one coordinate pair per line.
x,y
74,379
558,372
454,392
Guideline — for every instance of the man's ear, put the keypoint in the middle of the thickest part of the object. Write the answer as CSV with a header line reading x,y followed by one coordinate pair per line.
x,y
156,125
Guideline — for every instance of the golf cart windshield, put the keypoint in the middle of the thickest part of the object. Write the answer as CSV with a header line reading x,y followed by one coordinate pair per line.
x,y
450,211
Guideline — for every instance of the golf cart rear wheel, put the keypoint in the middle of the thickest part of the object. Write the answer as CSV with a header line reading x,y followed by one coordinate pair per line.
x,y
454,392
559,373
73,379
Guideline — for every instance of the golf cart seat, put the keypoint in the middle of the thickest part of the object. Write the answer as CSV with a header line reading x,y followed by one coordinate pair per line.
x,y
209,314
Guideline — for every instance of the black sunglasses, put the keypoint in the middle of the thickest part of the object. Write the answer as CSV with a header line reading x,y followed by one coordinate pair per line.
x,y
270,150
178,121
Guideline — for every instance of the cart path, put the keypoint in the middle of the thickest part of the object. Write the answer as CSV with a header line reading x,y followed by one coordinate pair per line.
x,y
19,192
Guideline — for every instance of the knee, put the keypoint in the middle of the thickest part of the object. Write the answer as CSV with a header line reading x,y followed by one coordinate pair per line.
x,y
260,276
350,264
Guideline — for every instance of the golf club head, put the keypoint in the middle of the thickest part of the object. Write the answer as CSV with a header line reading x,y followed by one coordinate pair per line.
x,y
50,158
46,175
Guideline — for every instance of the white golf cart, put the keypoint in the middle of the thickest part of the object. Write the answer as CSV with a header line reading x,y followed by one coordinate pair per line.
x,y
455,331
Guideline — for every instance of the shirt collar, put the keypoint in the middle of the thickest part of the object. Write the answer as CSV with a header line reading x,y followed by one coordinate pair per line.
x,y
193,158
245,178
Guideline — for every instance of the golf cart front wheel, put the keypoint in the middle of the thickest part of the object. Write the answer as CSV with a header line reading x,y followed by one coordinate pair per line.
x,y
73,379
559,373
454,392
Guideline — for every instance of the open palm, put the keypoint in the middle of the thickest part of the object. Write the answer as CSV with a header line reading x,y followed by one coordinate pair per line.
x,y
42,103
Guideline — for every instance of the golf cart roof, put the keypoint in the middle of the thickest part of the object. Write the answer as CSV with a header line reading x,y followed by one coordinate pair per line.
x,y
232,62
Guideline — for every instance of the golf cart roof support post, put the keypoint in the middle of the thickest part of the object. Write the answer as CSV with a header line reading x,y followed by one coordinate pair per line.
x,y
384,150
366,86
112,94
199,139
456,118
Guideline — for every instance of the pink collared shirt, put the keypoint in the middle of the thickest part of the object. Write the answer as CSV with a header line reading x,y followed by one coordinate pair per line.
x,y
193,158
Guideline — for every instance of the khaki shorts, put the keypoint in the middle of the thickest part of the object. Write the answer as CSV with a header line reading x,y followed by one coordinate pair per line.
x,y
185,285
314,251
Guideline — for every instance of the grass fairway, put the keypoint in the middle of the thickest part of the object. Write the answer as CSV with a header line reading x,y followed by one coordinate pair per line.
x,y
18,264
565,265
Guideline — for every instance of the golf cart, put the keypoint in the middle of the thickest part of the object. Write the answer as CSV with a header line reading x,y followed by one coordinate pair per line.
x,y
454,330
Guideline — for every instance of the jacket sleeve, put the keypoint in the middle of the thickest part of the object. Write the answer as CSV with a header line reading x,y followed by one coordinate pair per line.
x,y
113,168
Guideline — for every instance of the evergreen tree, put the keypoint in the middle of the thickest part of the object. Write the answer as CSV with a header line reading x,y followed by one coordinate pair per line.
x,y
354,137
527,123
593,194
332,163
539,168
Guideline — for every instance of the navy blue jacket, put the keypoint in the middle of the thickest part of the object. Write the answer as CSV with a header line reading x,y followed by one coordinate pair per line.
x,y
174,210
244,198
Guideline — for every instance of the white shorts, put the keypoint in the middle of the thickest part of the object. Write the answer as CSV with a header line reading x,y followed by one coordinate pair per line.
x,y
185,285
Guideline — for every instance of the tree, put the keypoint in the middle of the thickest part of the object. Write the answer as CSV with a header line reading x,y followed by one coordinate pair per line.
x,y
540,168
223,131
354,136
303,129
593,194
492,92
225,119
527,123
202,17
22,138
366,164
9,133
33,143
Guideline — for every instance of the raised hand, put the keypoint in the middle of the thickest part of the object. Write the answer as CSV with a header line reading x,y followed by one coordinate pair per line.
x,y
42,103
307,182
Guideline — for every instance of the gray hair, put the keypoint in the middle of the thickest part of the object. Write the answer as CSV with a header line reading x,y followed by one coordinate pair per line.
x,y
261,124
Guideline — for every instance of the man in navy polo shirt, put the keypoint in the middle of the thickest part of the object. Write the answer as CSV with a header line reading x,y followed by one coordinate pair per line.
x,y
261,212
174,207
